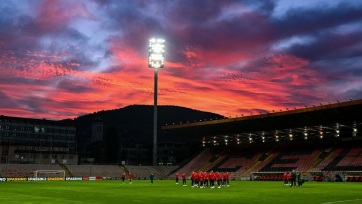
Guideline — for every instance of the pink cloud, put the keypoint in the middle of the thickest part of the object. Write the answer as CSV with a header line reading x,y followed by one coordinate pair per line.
x,y
219,59
54,15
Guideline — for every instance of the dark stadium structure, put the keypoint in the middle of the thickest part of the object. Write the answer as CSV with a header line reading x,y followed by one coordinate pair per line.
x,y
37,141
341,121
322,143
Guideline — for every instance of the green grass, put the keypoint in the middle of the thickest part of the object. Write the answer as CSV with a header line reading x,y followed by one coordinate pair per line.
x,y
142,191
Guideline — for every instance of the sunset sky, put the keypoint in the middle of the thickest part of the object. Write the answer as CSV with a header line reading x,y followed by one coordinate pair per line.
x,y
65,58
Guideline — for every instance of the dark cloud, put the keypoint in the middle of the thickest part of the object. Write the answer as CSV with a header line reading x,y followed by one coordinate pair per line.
x,y
7,21
308,21
329,45
220,55
7,101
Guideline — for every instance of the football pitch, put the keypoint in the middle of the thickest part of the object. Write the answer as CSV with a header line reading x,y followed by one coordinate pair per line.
x,y
166,191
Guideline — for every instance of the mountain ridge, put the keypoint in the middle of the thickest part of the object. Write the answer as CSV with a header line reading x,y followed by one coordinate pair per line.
x,y
129,130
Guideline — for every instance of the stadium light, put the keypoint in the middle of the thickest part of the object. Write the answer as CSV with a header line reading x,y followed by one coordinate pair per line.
x,y
156,60
156,53
354,133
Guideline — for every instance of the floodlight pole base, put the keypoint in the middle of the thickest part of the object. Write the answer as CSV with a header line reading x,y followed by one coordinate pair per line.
x,y
155,119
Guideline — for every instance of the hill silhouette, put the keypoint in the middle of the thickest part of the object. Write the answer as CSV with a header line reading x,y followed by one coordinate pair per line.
x,y
128,134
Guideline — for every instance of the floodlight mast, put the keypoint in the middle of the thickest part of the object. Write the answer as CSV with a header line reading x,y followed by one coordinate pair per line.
x,y
155,61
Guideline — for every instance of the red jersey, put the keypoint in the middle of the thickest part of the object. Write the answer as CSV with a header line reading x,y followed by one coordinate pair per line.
x,y
177,175
130,176
206,176
212,175
124,175
201,176
218,176
183,176
193,175
196,176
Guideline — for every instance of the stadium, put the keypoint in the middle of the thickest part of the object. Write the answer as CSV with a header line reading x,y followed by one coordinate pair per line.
x,y
237,101
322,143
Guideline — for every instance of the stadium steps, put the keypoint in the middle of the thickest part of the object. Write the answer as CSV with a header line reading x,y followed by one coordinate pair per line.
x,y
263,157
123,168
318,161
270,154
209,165
184,163
259,160
313,165
67,172
252,167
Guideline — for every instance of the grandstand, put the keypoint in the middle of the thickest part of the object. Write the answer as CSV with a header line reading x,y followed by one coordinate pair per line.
x,y
322,143
143,172
25,170
310,160
94,170
114,171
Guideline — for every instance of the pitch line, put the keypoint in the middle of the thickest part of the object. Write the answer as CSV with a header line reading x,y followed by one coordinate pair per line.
x,y
341,201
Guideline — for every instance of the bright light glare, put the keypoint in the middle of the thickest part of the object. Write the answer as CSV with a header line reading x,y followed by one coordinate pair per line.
x,y
156,53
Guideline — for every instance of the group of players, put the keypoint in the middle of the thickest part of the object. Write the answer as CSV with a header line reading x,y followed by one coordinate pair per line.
x,y
203,179
292,178
130,177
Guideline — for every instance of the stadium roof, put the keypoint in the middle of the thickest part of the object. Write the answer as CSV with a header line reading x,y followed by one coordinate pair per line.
x,y
340,120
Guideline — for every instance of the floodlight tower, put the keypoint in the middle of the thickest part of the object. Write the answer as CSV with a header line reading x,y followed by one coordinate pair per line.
x,y
155,61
